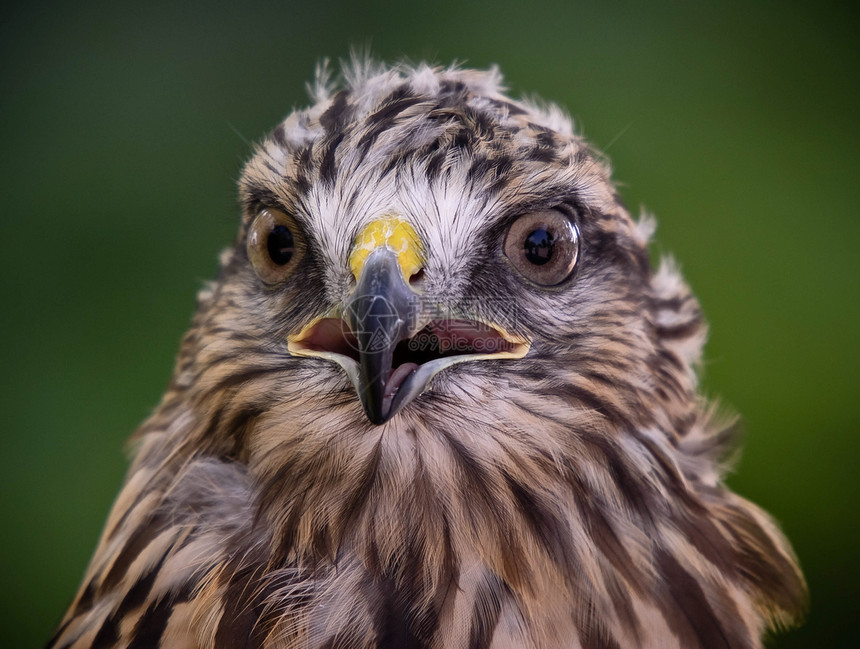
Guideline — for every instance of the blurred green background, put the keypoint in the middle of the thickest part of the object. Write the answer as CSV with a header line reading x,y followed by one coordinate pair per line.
x,y
124,127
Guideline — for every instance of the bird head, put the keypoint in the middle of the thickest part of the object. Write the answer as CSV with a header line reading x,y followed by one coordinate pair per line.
x,y
425,248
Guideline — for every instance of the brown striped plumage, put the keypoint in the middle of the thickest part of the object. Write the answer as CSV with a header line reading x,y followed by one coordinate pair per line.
x,y
571,498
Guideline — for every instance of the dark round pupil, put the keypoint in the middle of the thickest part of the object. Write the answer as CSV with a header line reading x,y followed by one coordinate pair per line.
x,y
538,246
280,245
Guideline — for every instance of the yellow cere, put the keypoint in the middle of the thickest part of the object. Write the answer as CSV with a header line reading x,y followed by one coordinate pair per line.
x,y
395,233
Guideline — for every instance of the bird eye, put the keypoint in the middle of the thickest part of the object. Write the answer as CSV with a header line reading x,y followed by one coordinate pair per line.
x,y
273,246
543,246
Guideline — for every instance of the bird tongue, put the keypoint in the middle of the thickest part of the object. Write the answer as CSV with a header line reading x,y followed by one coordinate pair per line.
x,y
395,380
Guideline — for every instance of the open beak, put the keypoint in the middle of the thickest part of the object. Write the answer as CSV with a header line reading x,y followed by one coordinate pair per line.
x,y
391,341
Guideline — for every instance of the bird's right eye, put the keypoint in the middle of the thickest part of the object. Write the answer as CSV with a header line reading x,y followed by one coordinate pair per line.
x,y
274,246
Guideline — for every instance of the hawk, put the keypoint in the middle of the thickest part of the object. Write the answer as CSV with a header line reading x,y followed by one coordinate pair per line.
x,y
436,398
